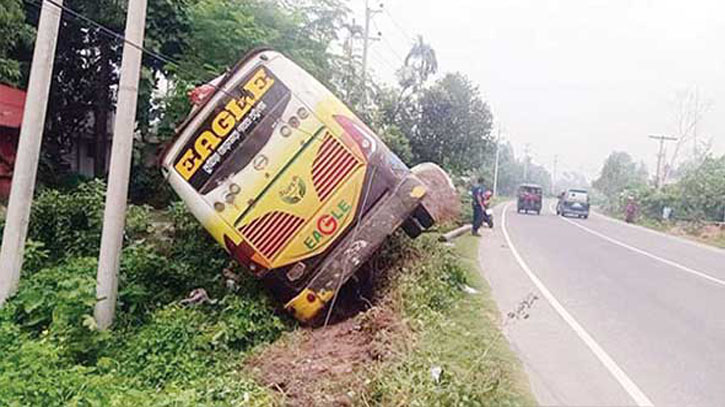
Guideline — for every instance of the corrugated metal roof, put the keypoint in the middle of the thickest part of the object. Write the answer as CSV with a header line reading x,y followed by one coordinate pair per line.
x,y
12,101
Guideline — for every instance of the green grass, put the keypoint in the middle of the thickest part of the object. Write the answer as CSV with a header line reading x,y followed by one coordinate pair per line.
x,y
720,242
157,353
458,332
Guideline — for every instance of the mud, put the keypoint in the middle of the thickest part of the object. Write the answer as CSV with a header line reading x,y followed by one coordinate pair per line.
x,y
327,366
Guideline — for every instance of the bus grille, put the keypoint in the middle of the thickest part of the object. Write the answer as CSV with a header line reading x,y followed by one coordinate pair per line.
x,y
332,164
269,233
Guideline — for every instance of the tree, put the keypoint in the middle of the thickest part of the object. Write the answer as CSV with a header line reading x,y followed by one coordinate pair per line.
x,y
420,63
618,173
82,96
454,127
688,112
702,190
16,38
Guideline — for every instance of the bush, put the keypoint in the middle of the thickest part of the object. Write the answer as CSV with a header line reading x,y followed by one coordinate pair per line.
x,y
181,344
37,374
148,187
70,223
158,352
192,243
703,189
429,273
35,257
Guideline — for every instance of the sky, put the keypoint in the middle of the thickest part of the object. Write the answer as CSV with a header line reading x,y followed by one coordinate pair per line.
x,y
576,79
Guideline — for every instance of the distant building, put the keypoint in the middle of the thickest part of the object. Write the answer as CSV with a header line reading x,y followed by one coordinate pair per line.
x,y
12,102
80,156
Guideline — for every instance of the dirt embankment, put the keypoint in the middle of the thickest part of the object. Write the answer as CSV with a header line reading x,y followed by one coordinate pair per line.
x,y
325,366
713,234
329,365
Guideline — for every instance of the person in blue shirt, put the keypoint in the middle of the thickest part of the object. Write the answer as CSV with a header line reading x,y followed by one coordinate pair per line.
x,y
478,193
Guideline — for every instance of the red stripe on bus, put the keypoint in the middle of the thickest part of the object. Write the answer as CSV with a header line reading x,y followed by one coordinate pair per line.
x,y
258,231
330,168
323,151
280,229
334,176
328,158
343,172
281,242
286,230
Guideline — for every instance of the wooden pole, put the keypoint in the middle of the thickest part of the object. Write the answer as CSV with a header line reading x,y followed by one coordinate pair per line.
x,y
26,162
114,216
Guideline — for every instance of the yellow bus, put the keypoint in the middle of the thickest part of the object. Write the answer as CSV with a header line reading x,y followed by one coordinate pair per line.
x,y
284,176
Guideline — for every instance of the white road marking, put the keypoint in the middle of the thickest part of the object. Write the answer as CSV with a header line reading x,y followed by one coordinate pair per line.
x,y
663,234
629,386
648,254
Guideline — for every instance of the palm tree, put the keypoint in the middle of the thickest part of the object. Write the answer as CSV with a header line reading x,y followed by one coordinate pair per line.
x,y
422,59
419,64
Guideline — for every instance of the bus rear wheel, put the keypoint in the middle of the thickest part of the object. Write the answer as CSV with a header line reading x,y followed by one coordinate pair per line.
x,y
411,227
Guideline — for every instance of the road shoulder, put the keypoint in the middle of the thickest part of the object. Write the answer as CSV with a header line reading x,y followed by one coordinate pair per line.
x,y
555,359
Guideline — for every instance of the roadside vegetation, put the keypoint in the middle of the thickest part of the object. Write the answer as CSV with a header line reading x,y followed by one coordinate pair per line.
x,y
431,335
159,352
455,353
694,196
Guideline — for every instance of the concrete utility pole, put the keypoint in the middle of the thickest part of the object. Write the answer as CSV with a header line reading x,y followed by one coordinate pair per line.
x,y
366,38
526,163
553,176
114,216
26,162
353,31
495,164
660,156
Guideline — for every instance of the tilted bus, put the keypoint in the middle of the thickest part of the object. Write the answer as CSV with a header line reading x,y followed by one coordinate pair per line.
x,y
295,187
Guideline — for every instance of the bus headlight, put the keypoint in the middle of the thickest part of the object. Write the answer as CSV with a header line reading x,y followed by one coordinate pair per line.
x,y
218,206
302,113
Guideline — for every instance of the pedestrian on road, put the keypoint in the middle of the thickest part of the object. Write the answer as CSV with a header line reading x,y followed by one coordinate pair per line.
x,y
630,210
478,195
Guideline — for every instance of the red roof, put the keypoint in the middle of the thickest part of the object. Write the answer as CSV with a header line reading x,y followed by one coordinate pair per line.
x,y
12,102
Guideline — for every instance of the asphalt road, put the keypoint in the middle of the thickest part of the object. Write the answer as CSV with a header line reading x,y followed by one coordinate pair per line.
x,y
625,316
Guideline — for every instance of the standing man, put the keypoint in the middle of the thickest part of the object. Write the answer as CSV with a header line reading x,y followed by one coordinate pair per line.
x,y
630,211
478,193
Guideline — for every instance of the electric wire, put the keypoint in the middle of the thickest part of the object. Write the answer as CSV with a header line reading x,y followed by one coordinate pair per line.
x,y
118,36
398,26
388,44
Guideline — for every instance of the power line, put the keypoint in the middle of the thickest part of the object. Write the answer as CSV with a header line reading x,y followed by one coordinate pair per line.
x,y
118,36
398,26
108,31
388,44
384,60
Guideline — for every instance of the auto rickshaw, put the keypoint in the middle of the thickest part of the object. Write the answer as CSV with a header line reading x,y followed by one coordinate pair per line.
x,y
529,198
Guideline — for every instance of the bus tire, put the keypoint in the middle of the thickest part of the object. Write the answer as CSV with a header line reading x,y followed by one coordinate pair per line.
x,y
423,217
411,228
